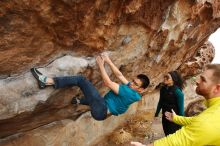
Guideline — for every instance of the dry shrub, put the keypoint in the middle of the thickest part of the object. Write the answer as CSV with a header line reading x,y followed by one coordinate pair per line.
x,y
120,136
195,107
140,124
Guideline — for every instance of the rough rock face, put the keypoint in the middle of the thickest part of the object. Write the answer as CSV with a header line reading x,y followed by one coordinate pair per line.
x,y
63,36
195,107
195,64
37,32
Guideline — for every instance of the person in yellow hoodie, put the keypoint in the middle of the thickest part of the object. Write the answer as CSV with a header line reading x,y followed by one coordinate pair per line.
x,y
203,129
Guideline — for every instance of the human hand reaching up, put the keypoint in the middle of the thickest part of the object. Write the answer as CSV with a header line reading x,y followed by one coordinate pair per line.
x,y
106,58
99,61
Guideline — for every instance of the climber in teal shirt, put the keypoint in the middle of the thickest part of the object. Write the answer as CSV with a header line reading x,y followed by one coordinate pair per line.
x,y
118,104
115,102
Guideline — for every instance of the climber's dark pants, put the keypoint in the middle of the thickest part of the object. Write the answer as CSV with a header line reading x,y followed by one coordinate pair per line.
x,y
92,97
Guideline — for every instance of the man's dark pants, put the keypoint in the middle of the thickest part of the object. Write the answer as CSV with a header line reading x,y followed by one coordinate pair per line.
x,y
92,97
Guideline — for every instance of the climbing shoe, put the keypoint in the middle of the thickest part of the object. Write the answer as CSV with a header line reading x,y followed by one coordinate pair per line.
x,y
39,77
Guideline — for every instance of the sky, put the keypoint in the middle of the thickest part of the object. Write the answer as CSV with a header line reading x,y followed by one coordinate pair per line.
x,y
215,40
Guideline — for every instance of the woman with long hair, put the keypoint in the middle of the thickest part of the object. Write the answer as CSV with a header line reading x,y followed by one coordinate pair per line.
x,y
171,98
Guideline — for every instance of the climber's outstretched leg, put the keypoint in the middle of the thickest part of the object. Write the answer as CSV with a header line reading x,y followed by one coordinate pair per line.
x,y
92,96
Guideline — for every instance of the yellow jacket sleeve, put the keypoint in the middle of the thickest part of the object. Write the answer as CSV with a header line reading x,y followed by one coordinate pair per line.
x,y
200,130
180,120
186,136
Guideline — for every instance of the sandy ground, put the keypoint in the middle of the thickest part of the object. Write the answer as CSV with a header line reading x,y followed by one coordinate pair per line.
x,y
157,129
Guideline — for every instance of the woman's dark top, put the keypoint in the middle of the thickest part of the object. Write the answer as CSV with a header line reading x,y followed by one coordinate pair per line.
x,y
171,97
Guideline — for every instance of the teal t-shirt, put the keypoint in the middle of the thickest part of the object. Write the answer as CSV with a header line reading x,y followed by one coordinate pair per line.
x,y
118,104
